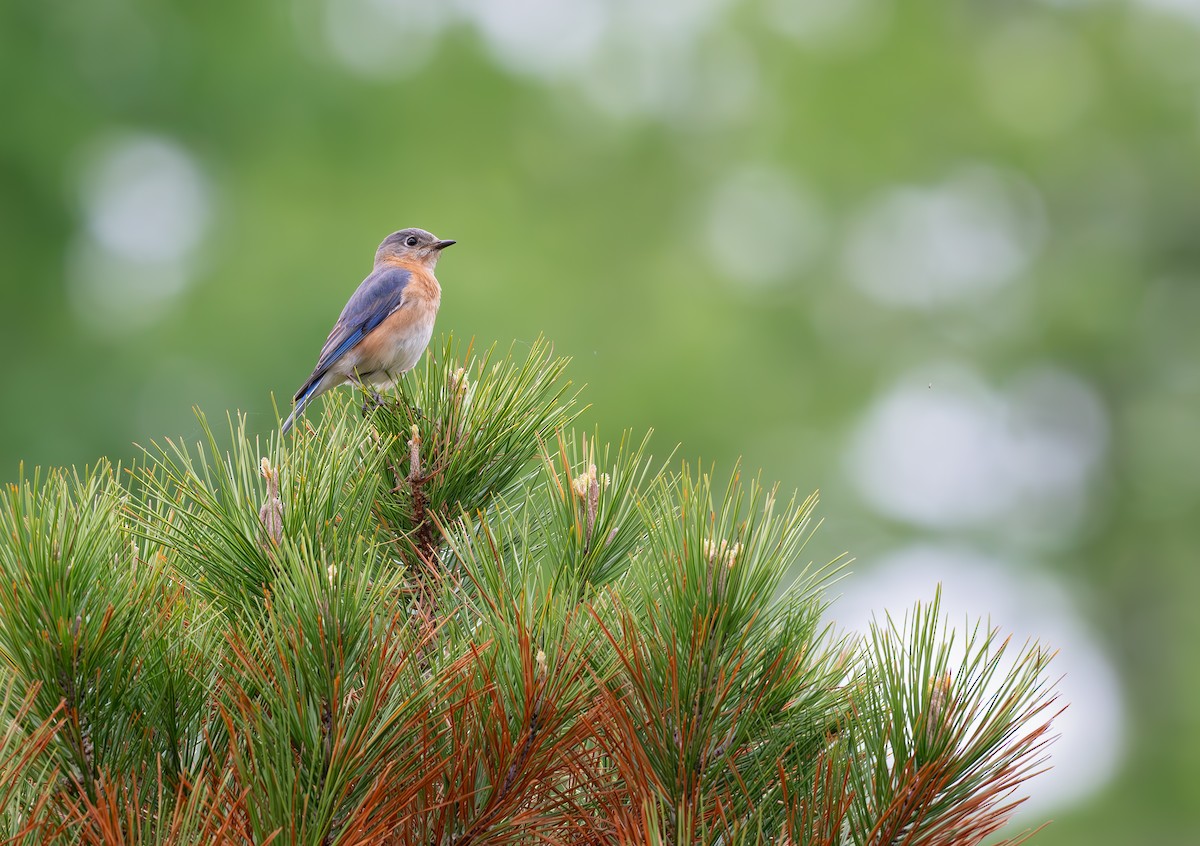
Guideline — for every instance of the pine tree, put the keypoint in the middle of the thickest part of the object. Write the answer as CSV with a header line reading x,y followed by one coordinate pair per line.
x,y
451,619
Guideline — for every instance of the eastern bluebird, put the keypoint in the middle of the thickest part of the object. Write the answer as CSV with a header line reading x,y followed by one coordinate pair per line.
x,y
387,323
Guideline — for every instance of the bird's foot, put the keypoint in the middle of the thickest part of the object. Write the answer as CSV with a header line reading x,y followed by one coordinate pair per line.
x,y
370,402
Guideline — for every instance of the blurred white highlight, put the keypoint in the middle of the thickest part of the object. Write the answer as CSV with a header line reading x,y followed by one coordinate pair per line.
x,y
763,227
146,208
381,38
1187,9
926,247
144,199
539,37
671,60
943,450
836,26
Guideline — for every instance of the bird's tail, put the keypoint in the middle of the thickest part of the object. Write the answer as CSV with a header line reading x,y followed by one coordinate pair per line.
x,y
307,396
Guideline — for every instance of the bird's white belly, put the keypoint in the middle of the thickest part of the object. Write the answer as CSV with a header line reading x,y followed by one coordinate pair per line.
x,y
385,359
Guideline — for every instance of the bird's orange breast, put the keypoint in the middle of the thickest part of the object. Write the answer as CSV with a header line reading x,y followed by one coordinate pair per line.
x,y
398,341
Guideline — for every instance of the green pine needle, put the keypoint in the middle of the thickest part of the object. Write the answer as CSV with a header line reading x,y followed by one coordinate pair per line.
x,y
448,618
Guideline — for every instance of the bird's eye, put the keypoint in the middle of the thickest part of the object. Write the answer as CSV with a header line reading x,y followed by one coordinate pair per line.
x,y
411,240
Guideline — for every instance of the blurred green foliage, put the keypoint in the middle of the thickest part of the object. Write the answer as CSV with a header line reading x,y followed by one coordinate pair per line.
x,y
697,200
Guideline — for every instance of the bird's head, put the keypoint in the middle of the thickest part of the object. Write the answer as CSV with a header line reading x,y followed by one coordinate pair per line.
x,y
411,246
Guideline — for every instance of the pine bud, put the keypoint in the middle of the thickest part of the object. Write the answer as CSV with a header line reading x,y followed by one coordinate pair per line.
x,y
271,513
721,553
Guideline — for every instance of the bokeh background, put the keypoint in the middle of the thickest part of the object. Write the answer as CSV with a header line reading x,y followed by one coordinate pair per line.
x,y
937,258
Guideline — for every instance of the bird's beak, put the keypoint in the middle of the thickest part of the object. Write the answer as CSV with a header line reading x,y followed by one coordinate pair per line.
x,y
441,245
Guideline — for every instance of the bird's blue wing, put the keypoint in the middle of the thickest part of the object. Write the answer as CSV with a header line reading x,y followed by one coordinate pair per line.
x,y
379,295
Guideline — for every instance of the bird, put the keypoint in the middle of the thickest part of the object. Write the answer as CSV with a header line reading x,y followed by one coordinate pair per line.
x,y
386,324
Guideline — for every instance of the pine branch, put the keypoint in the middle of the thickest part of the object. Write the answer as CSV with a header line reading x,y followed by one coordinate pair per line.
x,y
455,621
